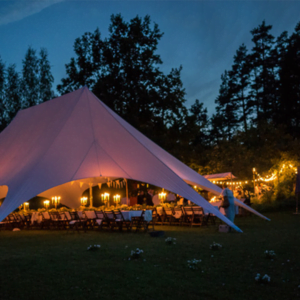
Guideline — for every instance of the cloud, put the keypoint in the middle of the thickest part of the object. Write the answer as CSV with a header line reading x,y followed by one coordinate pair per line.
x,y
16,10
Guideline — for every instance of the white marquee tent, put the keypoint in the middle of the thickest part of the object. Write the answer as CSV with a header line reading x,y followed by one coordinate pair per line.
x,y
67,143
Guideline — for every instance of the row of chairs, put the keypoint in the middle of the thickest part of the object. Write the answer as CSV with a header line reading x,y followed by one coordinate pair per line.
x,y
76,220
185,215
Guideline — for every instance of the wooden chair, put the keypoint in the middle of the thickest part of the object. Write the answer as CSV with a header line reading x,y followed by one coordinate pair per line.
x,y
73,222
125,223
178,216
9,222
111,219
46,221
188,215
26,220
91,218
56,221
139,222
154,217
168,215
160,213
101,220
199,217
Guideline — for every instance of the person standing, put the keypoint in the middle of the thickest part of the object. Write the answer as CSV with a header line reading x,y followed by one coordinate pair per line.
x,y
230,210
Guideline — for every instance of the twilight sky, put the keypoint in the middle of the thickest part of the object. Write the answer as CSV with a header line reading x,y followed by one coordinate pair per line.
x,y
202,36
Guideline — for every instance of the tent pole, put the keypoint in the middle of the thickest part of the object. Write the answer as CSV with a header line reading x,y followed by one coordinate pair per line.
x,y
91,194
127,200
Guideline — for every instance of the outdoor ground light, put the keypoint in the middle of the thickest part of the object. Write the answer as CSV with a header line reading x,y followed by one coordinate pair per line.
x,y
117,199
26,205
56,200
46,204
83,200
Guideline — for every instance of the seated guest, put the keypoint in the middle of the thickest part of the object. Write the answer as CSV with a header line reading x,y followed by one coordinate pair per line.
x,y
123,201
149,198
142,198
133,199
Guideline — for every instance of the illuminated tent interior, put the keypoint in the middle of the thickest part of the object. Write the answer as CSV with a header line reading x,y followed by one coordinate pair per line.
x,y
77,138
220,176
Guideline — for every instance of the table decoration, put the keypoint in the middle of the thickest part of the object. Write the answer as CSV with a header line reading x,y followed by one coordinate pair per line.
x,y
56,201
117,199
105,198
83,201
46,204
162,197
26,206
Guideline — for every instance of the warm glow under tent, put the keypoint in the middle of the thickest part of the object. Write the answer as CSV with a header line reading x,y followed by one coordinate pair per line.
x,y
220,176
76,138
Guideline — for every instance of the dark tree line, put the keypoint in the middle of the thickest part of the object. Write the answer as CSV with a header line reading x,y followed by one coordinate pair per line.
x,y
257,109
257,116
31,87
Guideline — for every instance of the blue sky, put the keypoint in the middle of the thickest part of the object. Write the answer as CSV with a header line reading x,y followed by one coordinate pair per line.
x,y
202,36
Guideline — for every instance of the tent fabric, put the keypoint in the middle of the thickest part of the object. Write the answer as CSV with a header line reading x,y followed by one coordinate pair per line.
x,y
76,137
183,171
70,192
220,176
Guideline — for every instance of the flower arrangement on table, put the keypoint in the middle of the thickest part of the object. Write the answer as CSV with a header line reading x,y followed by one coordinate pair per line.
x,y
193,264
170,241
270,254
93,247
64,209
262,279
124,207
215,246
135,254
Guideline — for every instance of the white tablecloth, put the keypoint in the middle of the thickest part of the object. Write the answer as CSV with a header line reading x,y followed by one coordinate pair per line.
x,y
137,213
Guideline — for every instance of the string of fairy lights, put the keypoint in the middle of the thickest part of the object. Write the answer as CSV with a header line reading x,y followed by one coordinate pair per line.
x,y
257,177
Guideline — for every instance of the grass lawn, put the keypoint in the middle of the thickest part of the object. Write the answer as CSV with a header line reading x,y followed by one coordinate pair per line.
x,y
56,264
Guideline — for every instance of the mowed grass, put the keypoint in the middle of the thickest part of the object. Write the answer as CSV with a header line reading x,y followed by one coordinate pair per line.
x,y
56,264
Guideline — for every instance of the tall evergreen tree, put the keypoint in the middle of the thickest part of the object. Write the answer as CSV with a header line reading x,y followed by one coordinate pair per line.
x,y
262,72
226,120
239,85
123,71
2,80
45,77
290,84
30,79
12,94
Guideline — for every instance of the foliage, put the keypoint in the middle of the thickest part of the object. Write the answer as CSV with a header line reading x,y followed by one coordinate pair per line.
x,y
193,264
262,279
270,254
93,247
31,87
123,71
215,246
170,241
